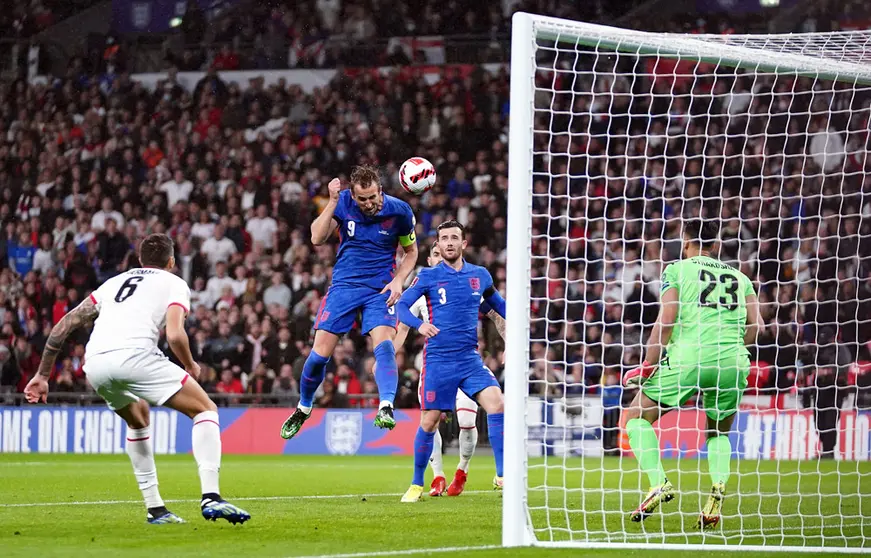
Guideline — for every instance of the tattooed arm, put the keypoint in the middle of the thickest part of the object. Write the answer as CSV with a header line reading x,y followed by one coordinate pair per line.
x,y
498,321
81,316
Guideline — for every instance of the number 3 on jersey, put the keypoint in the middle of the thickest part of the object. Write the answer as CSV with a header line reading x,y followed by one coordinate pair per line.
x,y
128,288
443,296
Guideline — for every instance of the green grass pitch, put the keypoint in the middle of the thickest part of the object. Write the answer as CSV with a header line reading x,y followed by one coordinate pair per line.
x,y
74,505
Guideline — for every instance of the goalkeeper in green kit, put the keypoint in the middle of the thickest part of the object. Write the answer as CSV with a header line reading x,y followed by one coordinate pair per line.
x,y
708,314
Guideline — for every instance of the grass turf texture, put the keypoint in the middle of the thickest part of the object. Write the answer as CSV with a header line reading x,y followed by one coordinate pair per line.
x,y
311,506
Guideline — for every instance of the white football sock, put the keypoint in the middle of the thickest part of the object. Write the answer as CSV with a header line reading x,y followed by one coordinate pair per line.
x,y
206,442
468,437
141,452
435,461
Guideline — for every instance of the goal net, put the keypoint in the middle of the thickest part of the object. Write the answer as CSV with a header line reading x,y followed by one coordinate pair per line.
x,y
618,138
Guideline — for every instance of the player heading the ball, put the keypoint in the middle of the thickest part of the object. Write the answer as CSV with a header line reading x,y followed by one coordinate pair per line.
x,y
371,225
125,367
453,291
708,314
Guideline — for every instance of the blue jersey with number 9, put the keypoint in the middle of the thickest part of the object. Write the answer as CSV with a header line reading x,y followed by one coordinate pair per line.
x,y
367,245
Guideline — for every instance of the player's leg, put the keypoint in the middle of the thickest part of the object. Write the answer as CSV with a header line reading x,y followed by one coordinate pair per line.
x,y
103,372
493,403
719,468
379,322
335,317
660,393
436,461
479,381
467,414
438,388
722,387
140,449
423,446
191,400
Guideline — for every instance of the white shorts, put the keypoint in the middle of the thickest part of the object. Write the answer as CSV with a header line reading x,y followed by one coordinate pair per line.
x,y
464,402
124,376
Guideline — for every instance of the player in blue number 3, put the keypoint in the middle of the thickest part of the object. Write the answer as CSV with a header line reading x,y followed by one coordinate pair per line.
x,y
453,291
371,226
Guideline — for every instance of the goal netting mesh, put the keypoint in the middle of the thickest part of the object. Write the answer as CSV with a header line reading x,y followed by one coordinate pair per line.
x,y
619,138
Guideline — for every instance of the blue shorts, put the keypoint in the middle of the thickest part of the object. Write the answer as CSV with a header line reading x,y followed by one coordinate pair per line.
x,y
341,305
441,377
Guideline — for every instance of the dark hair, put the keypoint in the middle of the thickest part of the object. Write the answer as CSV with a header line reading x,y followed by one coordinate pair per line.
x,y
433,246
706,232
156,250
365,175
453,224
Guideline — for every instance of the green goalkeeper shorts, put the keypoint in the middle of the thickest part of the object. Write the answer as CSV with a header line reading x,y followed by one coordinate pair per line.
x,y
721,382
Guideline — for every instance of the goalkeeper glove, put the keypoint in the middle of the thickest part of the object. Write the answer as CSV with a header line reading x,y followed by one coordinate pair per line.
x,y
639,375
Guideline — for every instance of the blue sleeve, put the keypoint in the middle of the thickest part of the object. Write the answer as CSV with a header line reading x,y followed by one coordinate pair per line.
x,y
341,212
492,296
411,294
406,226
406,220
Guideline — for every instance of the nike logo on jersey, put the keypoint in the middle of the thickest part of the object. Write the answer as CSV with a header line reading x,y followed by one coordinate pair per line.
x,y
385,233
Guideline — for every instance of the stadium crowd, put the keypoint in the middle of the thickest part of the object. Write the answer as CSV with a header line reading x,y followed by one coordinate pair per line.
x,y
236,172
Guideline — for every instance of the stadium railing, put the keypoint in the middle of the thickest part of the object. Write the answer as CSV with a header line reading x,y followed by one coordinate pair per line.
x,y
149,53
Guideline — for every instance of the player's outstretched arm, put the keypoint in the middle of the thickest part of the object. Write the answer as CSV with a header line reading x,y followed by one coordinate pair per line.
x,y
80,316
324,225
178,341
754,320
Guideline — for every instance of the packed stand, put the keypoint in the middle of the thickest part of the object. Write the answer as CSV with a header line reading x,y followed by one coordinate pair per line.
x,y
235,176
615,175
327,33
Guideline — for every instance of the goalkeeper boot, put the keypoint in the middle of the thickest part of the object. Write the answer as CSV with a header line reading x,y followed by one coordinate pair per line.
x,y
413,494
710,516
437,488
162,516
384,418
498,482
293,424
216,508
656,496
458,484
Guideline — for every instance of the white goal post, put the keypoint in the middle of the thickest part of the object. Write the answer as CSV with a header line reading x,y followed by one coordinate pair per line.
x,y
616,138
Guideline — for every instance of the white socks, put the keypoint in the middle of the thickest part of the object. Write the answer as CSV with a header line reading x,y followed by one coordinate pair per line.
x,y
206,442
141,452
435,461
468,437
468,443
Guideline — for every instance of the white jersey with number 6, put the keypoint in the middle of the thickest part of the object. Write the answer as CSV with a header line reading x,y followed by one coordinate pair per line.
x,y
132,309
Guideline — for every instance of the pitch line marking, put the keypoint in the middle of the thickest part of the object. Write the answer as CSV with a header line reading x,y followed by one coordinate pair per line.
x,y
407,552
242,499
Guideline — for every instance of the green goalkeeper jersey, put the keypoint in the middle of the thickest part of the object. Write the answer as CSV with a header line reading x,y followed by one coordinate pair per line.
x,y
712,314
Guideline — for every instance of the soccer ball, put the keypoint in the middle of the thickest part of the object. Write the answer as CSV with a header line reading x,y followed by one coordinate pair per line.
x,y
417,175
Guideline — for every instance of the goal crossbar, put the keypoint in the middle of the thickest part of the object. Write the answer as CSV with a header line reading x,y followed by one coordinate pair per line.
x,y
709,48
